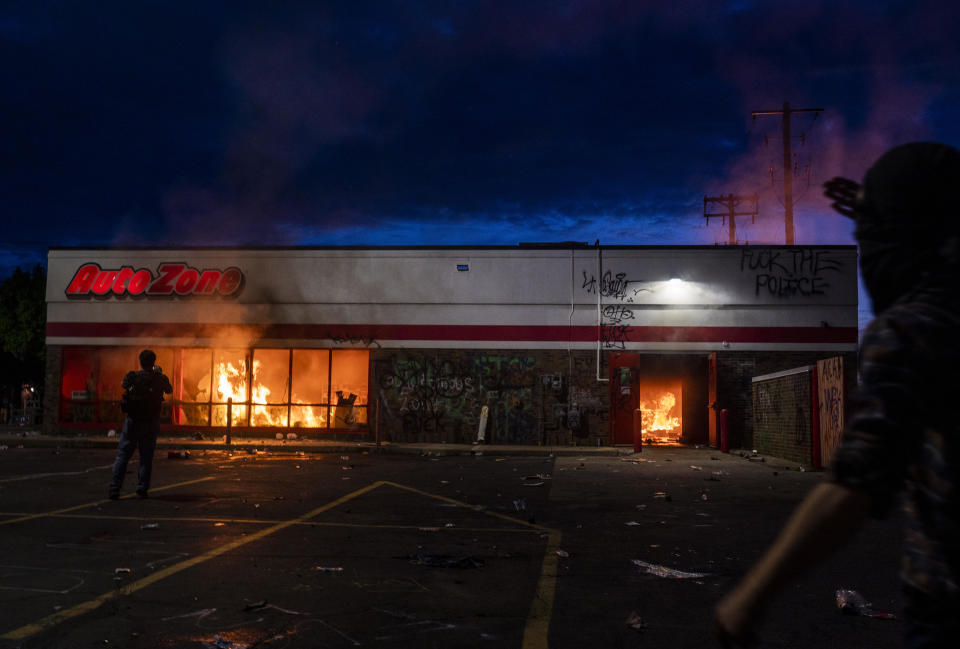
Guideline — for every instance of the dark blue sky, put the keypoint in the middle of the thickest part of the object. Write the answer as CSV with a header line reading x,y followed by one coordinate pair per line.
x,y
459,122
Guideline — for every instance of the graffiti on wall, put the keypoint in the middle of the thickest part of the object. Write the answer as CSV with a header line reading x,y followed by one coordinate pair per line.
x,y
426,397
790,273
830,386
615,319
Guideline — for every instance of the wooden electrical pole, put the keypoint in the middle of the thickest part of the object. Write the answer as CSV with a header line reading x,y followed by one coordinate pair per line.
x,y
732,202
786,112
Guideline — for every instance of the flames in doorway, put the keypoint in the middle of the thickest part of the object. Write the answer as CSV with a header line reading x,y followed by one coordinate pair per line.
x,y
661,406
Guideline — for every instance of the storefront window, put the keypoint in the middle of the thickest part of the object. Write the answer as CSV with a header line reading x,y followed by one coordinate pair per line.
x,y
269,388
310,385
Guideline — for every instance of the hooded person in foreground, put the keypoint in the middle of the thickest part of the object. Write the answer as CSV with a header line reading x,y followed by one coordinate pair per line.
x,y
907,215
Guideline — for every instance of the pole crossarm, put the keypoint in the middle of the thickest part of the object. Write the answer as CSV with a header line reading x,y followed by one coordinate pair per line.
x,y
731,202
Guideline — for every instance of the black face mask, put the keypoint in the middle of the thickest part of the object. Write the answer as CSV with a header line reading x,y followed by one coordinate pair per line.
x,y
905,212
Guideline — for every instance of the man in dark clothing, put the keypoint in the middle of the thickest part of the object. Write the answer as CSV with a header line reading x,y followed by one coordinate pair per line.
x,y
902,434
142,402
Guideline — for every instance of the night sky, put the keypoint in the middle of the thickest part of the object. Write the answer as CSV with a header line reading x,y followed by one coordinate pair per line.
x,y
452,123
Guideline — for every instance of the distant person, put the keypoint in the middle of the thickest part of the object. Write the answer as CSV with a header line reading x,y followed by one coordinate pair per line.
x,y
142,401
903,432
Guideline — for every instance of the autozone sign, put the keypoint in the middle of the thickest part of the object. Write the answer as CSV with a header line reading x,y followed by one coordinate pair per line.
x,y
171,279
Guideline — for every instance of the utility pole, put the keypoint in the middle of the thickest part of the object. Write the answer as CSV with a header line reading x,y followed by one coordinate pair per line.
x,y
732,202
786,112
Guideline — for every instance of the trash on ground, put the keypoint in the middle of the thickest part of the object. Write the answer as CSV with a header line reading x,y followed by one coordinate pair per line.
x,y
178,455
662,495
346,467
121,571
444,482
220,643
429,529
520,504
756,458
853,603
150,526
344,458
111,433
253,606
634,621
703,496
640,508
291,436
632,523
696,468
197,436
449,525
663,571
328,568
279,435
532,484
538,476
445,561
563,554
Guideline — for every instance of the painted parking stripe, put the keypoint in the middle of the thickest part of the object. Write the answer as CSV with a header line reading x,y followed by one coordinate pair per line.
x,y
35,476
52,620
97,502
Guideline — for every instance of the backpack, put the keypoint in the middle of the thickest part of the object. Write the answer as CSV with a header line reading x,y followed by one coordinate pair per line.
x,y
143,398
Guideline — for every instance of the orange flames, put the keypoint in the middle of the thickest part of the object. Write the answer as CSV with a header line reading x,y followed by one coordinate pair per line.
x,y
231,382
660,415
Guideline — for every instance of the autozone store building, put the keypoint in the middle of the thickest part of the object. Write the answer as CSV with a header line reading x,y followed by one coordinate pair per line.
x,y
540,344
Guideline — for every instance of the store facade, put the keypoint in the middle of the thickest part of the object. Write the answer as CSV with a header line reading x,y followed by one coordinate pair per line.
x,y
544,344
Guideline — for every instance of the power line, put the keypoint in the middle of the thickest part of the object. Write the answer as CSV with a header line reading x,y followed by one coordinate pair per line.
x,y
786,112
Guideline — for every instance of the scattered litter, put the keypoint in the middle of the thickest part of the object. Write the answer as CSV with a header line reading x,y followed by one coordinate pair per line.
x,y
520,505
538,476
111,433
150,526
220,643
344,458
714,457
640,508
500,459
445,561
853,603
279,435
3,447
291,436
662,495
703,496
328,568
178,455
444,482
346,467
663,571
635,622
121,571
632,523
429,529
563,554
219,524
449,525
345,478
254,606
696,468
256,506
756,458
532,484
198,437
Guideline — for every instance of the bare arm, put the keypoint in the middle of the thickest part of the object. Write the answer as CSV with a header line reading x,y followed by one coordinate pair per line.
x,y
826,519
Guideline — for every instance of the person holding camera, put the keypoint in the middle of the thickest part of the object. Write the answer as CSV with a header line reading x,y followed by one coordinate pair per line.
x,y
142,401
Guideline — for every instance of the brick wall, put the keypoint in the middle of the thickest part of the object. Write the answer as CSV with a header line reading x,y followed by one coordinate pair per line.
x,y
735,372
532,396
783,417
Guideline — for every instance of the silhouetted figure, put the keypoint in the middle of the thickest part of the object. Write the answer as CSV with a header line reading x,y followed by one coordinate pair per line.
x,y
142,401
903,434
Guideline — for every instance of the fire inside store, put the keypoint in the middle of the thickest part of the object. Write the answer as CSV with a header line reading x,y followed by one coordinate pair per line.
x,y
545,344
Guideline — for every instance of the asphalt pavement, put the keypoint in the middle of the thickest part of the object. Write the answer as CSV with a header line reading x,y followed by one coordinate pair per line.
x,y
289,544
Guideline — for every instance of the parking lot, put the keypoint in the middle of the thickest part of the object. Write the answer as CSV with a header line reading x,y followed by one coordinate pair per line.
x,y
251,549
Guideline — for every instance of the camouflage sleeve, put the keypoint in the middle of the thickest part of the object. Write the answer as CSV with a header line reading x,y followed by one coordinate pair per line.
x,y
127,380
882,429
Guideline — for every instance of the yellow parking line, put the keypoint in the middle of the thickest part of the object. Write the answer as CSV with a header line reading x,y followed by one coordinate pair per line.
x,y
51,620
97,502
454,501
537,630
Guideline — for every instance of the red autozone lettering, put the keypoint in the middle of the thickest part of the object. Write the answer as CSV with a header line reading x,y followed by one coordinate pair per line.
x,y
171,279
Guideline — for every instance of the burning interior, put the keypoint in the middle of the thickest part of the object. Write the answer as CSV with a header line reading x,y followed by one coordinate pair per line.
x,y
260,388
661,406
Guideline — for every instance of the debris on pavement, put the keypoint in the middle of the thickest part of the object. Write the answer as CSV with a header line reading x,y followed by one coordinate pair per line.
x,y
632,523
178,455
635,622
255,606
853,603
520,504
328,568
563,554
532,484
150,526
538,476
121,571
662,495
445,561
696,468
663,571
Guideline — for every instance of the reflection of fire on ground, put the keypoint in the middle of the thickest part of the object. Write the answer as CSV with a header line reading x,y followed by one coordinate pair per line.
x,y
660,407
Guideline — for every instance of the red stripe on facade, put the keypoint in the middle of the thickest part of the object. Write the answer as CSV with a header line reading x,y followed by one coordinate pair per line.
x,y
463,333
